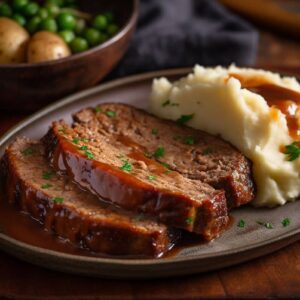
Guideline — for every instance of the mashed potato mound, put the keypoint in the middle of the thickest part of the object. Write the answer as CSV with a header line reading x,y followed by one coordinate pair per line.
x,y
221,106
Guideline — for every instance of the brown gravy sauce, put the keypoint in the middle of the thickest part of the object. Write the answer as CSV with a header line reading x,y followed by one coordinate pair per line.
x,y
284,99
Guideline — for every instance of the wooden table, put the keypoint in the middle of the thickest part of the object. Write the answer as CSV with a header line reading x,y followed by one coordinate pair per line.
x,y
276,275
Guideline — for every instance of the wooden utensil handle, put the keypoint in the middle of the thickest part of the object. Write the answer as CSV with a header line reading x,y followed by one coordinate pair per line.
x,y
268,13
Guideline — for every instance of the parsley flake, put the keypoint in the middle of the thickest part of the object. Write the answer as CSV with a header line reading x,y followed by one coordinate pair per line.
x,y
159,152
151,177
189,141
185,118
98,109
166,103
127,167
48,174
58,200
84,148
85,140
89,154
286,222
207,151
165,165
292,151
28,151
111,113
241,223
265,224
75,140
46,186
189,220
154,131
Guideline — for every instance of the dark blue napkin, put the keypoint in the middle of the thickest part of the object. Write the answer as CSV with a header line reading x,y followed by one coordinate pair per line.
x,y
181,33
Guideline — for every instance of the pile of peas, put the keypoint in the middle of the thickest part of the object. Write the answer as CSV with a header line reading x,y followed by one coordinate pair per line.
x,y
79,30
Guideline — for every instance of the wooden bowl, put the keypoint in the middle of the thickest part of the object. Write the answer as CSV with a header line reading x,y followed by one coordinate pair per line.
x,y
27,87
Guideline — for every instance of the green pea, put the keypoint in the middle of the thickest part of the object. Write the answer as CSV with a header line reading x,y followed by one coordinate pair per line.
x,y
19,4
67,35
109,17
19,19
48,24
30,9
112,29
5,10
93,36
80,26
43,13
33,24
100,22
79,45
66,21
53,10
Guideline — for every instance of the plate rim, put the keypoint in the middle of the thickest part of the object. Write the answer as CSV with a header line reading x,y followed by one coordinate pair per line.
x,y
125,261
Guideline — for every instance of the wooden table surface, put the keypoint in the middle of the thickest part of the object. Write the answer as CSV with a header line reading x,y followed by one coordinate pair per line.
x,y
273,276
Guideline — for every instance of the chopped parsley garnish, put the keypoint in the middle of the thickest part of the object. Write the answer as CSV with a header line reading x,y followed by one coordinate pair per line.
x,y
185,118
58,200
241,223
46,186
292,151
286,222
127,167
89,154
48,175
159,152
265,224
154,131
84,148
27,151
85,140
111,113
189,220
75,140
151,177
165,165
189,141
98,109
166,103
62,130
207,151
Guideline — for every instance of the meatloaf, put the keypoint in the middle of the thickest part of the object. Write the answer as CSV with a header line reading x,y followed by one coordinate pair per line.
x,y
193,153
117,169
73,214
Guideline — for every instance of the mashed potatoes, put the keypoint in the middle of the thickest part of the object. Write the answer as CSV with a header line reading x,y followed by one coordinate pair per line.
x,y
220,105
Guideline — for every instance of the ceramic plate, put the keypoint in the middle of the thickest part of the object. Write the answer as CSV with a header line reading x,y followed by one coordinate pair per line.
x,y
236,245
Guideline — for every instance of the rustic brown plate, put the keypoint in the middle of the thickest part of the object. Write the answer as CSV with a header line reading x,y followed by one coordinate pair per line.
x,y
236,245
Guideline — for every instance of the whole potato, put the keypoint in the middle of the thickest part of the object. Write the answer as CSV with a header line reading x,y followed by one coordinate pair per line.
x,y
13,42
45,46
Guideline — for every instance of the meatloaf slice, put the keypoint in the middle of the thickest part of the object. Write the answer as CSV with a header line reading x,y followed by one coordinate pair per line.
x,y
73,214
117,170
193,153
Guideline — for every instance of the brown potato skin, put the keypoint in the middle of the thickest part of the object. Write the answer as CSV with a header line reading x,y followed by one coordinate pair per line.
x,y
13,42
46,46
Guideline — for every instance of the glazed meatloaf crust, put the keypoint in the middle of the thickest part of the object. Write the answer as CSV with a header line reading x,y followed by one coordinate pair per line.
x,y
193,153
116,169
73,214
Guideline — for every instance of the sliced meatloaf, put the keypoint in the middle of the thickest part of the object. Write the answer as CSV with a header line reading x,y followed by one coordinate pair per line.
x,y
73,214
117,169
193,153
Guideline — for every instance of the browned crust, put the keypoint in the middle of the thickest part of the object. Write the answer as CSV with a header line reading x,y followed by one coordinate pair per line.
x,y
108,237
173,209
239,188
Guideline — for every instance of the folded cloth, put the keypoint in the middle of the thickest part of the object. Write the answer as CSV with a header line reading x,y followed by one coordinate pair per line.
x,y
181,33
